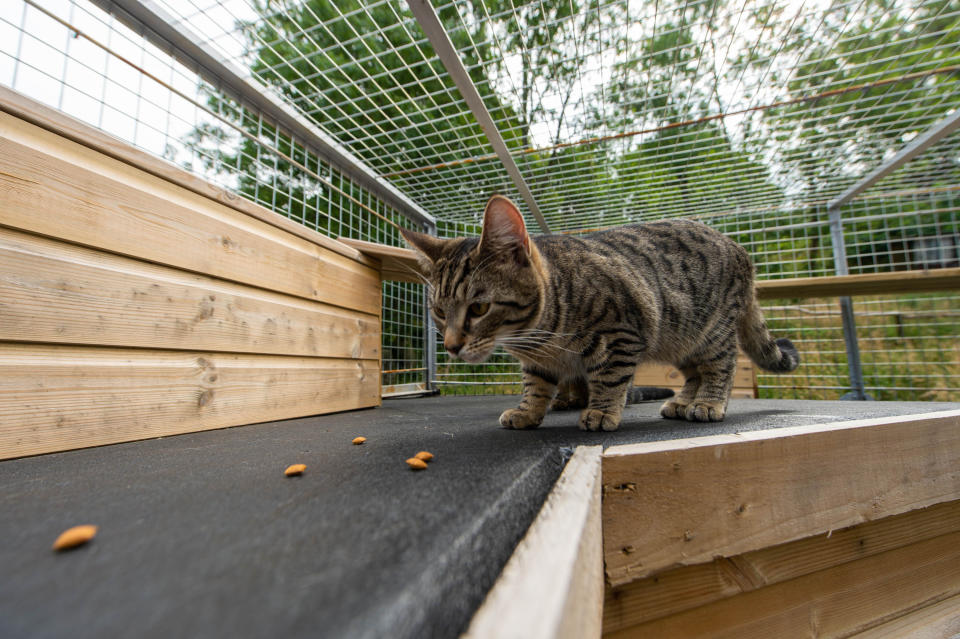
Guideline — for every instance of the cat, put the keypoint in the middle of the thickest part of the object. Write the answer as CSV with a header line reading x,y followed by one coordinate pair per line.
x,y
580,313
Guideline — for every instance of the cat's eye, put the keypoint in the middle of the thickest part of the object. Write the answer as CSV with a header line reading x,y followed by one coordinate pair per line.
x,y
479,308
439,313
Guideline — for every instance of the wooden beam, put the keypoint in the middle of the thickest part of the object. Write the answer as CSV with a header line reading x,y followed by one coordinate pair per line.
x,y
836,602
70,128
689,587
66,294
62,397
396,264
552,586
687,501
943,279
54,187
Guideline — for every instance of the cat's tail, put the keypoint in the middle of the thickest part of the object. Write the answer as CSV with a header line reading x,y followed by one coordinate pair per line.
x,y
774,355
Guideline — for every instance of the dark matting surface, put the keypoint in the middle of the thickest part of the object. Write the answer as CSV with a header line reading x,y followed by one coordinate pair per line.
x,y
202,535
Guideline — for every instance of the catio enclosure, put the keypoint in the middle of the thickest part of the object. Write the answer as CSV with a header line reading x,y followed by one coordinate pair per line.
x,y
817,134
200,214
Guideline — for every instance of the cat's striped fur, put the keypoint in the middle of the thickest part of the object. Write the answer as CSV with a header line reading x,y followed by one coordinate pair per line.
x,y
581,312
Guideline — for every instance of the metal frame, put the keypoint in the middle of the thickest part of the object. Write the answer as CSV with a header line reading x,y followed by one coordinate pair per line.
x,y
161,29
915,147
443,47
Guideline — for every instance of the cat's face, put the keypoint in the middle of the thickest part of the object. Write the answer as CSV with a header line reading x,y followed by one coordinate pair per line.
x,y
482,292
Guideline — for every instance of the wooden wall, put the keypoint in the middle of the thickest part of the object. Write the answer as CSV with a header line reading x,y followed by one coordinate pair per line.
x,y
838,530
133,304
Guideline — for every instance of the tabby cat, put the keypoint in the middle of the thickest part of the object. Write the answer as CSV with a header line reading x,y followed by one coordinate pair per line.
x,y
581,312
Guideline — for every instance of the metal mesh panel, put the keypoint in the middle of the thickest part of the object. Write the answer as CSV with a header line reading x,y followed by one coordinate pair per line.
x,y
908,345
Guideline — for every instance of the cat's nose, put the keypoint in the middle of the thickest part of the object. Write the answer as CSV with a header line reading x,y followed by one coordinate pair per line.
x,y
453,343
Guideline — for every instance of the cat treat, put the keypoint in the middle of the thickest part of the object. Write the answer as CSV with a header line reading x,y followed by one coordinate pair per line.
x,y
359,440
424,456
581,312
73,537
295,469
416,464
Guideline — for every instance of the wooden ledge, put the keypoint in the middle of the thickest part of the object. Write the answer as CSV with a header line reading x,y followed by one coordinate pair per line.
x,y
552,586
943,279
684,502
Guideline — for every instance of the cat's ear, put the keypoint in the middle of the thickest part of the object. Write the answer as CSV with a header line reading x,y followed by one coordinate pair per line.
x,y
428,246
504,230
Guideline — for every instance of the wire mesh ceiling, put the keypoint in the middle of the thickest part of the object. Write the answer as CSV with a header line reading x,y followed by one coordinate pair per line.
x,y
615,111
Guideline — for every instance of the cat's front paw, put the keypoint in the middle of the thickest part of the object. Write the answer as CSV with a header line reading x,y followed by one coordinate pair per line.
x,y
519,419
593,419
705,412
674,409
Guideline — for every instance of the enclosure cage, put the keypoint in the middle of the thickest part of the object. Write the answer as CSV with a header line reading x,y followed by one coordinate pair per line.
x,y
819,135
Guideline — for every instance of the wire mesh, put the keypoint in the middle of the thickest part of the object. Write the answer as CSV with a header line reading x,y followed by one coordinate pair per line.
x,y
908,345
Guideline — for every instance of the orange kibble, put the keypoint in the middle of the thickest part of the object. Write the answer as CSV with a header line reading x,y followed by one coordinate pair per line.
x,y
416,464
73,537
424,456
359,440
296,469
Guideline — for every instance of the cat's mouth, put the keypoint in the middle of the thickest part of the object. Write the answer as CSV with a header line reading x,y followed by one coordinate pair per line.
x,y
474,354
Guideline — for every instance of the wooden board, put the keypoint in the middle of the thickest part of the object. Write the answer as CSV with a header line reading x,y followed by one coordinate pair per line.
x,y
665,376
103,203
552,586
63,397
396,264
65,294
685,502
72,129
936,621
941,279
689,587
835,602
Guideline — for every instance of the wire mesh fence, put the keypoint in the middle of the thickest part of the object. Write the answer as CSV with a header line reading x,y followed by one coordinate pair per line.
x,y
751,117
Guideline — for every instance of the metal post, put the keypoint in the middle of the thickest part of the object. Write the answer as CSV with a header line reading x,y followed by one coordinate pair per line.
x,y
429,340
846,308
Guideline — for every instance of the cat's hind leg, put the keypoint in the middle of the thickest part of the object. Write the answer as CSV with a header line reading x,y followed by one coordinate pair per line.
x,y
538,389
676,407
571,394
716,382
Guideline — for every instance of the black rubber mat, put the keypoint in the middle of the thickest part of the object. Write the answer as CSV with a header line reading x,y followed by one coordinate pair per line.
x,y
202,535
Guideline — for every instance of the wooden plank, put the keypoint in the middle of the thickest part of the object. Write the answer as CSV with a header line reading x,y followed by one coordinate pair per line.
x,y
62,397
106,204
552,586
666,376
692,586
685,502
66,294
936,621
943,279
70,128
396,264
836,602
